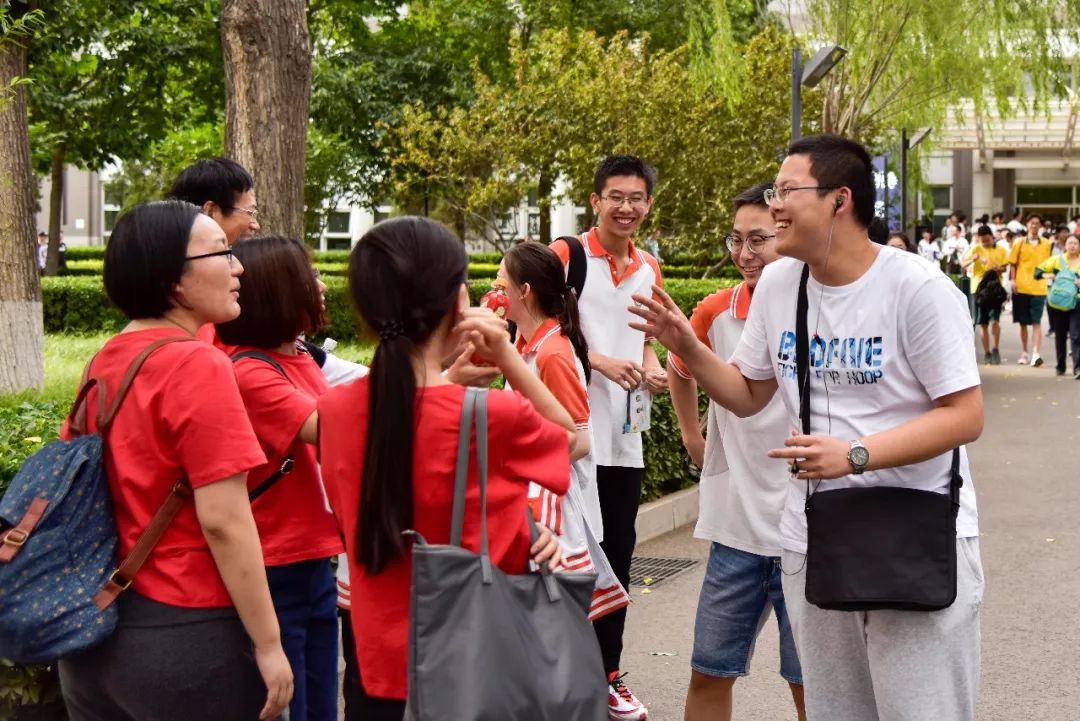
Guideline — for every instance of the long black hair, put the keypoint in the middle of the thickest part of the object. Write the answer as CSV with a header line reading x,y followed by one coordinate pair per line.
x,y
405,275
536,264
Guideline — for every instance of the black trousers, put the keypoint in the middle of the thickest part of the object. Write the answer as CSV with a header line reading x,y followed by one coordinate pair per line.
x,y
358,705
620,493
1066,325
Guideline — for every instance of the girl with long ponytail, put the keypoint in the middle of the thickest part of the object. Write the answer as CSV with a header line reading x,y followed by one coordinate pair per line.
x,y
388,442
552,343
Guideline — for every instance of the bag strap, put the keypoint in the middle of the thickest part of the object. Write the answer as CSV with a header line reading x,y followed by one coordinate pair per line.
x,y
577,266
121,578
104,423
480,400
287,463
802,372
461,471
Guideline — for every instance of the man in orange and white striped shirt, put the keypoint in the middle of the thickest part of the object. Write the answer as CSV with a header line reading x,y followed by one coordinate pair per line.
x,y
742,490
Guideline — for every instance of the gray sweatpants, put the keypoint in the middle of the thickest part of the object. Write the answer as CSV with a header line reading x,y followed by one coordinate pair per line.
x,y
890,665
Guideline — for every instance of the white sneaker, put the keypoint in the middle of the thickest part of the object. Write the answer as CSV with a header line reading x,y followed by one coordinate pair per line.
x,y
1036,360
623,705
1022,360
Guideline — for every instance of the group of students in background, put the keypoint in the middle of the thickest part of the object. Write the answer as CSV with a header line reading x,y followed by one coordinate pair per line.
x,y
297,457
1017,262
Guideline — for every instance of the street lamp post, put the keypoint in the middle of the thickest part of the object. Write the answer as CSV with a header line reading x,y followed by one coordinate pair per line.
x,y
907,144
815,71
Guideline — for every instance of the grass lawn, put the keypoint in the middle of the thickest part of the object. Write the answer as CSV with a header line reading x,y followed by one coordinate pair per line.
x,y
66,355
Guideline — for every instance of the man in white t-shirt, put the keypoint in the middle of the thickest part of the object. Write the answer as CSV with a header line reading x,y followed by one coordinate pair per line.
x,y
893,388
624,365
742,492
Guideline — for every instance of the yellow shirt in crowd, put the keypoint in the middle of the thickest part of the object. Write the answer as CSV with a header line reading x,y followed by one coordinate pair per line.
x,y
985,259
1027,256
1055,264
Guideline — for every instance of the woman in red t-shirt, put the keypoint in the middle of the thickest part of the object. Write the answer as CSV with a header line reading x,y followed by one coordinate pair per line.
x,y
281,298
183,646
388,442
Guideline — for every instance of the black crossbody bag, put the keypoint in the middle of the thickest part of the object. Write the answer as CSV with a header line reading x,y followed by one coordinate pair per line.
x,y
882,547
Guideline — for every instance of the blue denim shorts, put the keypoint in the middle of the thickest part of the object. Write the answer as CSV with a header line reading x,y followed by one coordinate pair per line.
x,y
738,590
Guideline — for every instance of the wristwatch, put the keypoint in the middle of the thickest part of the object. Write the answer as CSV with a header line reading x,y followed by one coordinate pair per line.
x,y
858,456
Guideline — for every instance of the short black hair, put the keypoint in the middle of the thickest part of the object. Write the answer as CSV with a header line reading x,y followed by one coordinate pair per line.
x,y
279,296
616,165
839,162
999,216
1033,215
878,230
218,180
1016,213
145,256
1062,229
754,195
984,230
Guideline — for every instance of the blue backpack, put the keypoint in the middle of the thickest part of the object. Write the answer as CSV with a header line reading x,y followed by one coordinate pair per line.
x,y
58,538
1062,293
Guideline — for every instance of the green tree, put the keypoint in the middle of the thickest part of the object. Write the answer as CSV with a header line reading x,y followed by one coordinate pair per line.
x,y
110,79
910,61
558,117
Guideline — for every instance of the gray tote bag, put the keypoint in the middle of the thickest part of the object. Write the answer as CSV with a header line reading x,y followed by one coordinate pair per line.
x,y
487,645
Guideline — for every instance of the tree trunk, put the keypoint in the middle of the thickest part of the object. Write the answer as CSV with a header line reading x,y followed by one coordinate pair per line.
x,y
267,96
56,203
543,204
22,364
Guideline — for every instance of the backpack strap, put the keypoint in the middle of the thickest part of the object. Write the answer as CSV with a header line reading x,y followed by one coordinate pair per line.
x,y
287,464
120,579
578,265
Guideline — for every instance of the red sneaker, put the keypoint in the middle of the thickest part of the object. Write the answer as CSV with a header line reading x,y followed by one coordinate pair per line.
x,y
623,705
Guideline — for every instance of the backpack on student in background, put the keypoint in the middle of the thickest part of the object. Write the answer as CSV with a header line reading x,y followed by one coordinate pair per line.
x,y
287,463
1062,293
58,538
577,266
991,293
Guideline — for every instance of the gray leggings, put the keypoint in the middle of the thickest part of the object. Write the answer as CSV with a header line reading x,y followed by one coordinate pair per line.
x,y
166,663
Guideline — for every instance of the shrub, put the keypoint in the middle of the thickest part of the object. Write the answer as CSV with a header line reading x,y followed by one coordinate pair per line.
x,y
78,305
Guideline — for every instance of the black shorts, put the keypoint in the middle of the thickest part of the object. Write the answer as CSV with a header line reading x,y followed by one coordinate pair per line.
x,y
1027,309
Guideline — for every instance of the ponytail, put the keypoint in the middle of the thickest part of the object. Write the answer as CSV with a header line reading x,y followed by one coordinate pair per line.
x,y
405,275
570,320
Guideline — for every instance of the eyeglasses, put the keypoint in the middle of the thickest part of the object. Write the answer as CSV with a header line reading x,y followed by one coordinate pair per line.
x,y
226,253
637,200
252,213
755,242
781,194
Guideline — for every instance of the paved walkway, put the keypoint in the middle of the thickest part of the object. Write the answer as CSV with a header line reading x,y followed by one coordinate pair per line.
x,y
1026,471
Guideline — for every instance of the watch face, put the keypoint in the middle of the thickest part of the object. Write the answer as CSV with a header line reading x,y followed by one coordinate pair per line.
x,y
859,456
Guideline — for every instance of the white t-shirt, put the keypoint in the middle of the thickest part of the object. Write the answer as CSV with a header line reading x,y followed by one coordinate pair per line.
x,y
742,489
886,346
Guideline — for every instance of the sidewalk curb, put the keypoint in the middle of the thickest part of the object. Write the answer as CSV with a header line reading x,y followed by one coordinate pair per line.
x,y
664,515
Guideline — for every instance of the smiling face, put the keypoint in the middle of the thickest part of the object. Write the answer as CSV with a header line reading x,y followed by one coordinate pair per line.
x,y
750,221
1072,245
804,216
209,287
622,205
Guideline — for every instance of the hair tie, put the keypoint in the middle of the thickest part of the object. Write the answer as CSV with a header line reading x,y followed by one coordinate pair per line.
x,y
570,289
390,330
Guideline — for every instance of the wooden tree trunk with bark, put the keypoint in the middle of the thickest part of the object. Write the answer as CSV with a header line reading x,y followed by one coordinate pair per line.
x,y
267,96
22,364
56,204
543,203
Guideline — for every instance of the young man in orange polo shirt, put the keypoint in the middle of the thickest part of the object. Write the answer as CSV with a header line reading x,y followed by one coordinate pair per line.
x,y
623,360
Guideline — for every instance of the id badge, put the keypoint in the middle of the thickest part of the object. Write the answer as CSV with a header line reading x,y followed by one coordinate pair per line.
x,y
638,410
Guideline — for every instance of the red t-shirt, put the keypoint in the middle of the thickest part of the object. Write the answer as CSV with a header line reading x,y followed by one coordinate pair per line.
x,y
295,523
523,446
183,416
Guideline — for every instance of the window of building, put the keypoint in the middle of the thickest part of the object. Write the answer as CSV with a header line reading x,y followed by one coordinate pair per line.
x,y
534,224
337,230
941,196
1044,195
